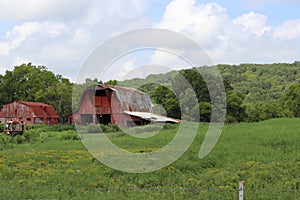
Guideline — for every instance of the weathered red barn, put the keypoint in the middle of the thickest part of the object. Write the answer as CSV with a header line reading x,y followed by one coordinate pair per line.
x,y
29,112
124,106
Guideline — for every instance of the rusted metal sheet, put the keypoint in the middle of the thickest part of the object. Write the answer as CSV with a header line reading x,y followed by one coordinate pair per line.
x,y
29,112
151,117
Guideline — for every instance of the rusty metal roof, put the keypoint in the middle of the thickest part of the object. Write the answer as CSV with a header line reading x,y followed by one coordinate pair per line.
x,y
40,109
130,99
151,117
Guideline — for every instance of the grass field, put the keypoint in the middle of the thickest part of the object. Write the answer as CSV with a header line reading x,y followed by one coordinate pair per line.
x,y
55,165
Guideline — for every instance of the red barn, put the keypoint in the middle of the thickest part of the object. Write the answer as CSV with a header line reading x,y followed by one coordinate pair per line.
x,y
117,105
29,112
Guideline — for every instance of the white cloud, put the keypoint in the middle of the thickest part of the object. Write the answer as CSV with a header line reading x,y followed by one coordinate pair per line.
x,y
247,38
16,37
202,22
61,34
289,30
254,23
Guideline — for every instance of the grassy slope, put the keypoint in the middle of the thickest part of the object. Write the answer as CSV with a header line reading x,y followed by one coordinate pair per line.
x,y
265,155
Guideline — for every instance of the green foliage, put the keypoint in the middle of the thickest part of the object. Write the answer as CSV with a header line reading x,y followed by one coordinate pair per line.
x,y
255,92
235,109
4,141
146,128
264,155
35,83
291,100
2,127
112,128
96,128
69,135
111,82
32,135
205,111
63,135
163,96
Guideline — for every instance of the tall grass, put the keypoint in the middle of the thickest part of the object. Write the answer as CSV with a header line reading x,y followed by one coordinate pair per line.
x,y
264,155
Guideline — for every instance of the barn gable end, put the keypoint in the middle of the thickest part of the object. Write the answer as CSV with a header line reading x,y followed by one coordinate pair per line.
x,y
29,112
107,104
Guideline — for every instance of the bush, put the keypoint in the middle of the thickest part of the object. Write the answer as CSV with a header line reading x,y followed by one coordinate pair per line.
x,y
81,129
147,128
19,139
31,135
113,128
45,136
4,139
230,119
1,128
96,128
69,135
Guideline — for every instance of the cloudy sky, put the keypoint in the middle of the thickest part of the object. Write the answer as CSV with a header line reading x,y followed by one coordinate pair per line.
x,y
61,34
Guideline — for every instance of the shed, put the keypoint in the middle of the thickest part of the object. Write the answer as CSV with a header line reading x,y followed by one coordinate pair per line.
x,y
29,112
107,104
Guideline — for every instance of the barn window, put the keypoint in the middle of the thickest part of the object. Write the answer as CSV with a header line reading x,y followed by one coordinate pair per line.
x,y
100,93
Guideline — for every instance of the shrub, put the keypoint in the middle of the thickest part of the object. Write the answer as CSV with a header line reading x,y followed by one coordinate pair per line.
x,y
1,127
113,128
19,139
147,128
81,128
45,136
4,139
230,119
31,135
69,135
96,128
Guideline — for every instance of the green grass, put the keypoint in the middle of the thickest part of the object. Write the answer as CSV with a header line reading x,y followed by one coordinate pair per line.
x,y
265,155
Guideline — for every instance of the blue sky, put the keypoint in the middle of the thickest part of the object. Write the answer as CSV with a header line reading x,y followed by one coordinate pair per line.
x,y
60,34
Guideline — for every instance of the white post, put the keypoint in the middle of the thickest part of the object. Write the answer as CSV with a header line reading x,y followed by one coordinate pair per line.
x,y
241,190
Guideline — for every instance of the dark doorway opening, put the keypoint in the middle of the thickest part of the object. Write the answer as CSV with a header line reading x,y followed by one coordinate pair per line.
x,y
104,119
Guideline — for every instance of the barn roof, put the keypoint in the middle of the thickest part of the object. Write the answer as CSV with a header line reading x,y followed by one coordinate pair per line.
x,y
131,99
41,109
38,109
152,117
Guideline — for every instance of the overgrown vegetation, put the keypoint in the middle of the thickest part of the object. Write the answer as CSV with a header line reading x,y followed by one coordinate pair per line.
x,y
255,92
264,155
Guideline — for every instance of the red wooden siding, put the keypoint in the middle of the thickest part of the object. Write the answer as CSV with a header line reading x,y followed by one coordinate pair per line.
x,y
29,112
106,104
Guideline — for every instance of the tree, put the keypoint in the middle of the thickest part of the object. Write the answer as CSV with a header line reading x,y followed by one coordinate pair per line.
x,y
36,83
235,109
291,100
205,111
167,99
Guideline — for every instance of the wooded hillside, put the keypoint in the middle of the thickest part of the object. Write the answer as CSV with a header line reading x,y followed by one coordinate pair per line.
x,y
254,92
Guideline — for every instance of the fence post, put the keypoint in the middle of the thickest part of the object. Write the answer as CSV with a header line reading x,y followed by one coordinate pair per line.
x,y
241,190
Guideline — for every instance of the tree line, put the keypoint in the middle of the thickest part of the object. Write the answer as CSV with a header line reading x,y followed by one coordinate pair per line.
x,y
254,92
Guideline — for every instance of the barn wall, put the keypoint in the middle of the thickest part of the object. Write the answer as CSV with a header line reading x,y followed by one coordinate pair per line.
x,y
101,102
24,113
17,110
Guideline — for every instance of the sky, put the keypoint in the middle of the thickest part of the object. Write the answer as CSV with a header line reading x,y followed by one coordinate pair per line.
x,y
61,34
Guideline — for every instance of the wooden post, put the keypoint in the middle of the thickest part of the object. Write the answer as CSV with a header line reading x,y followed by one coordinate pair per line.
x,y
241,190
